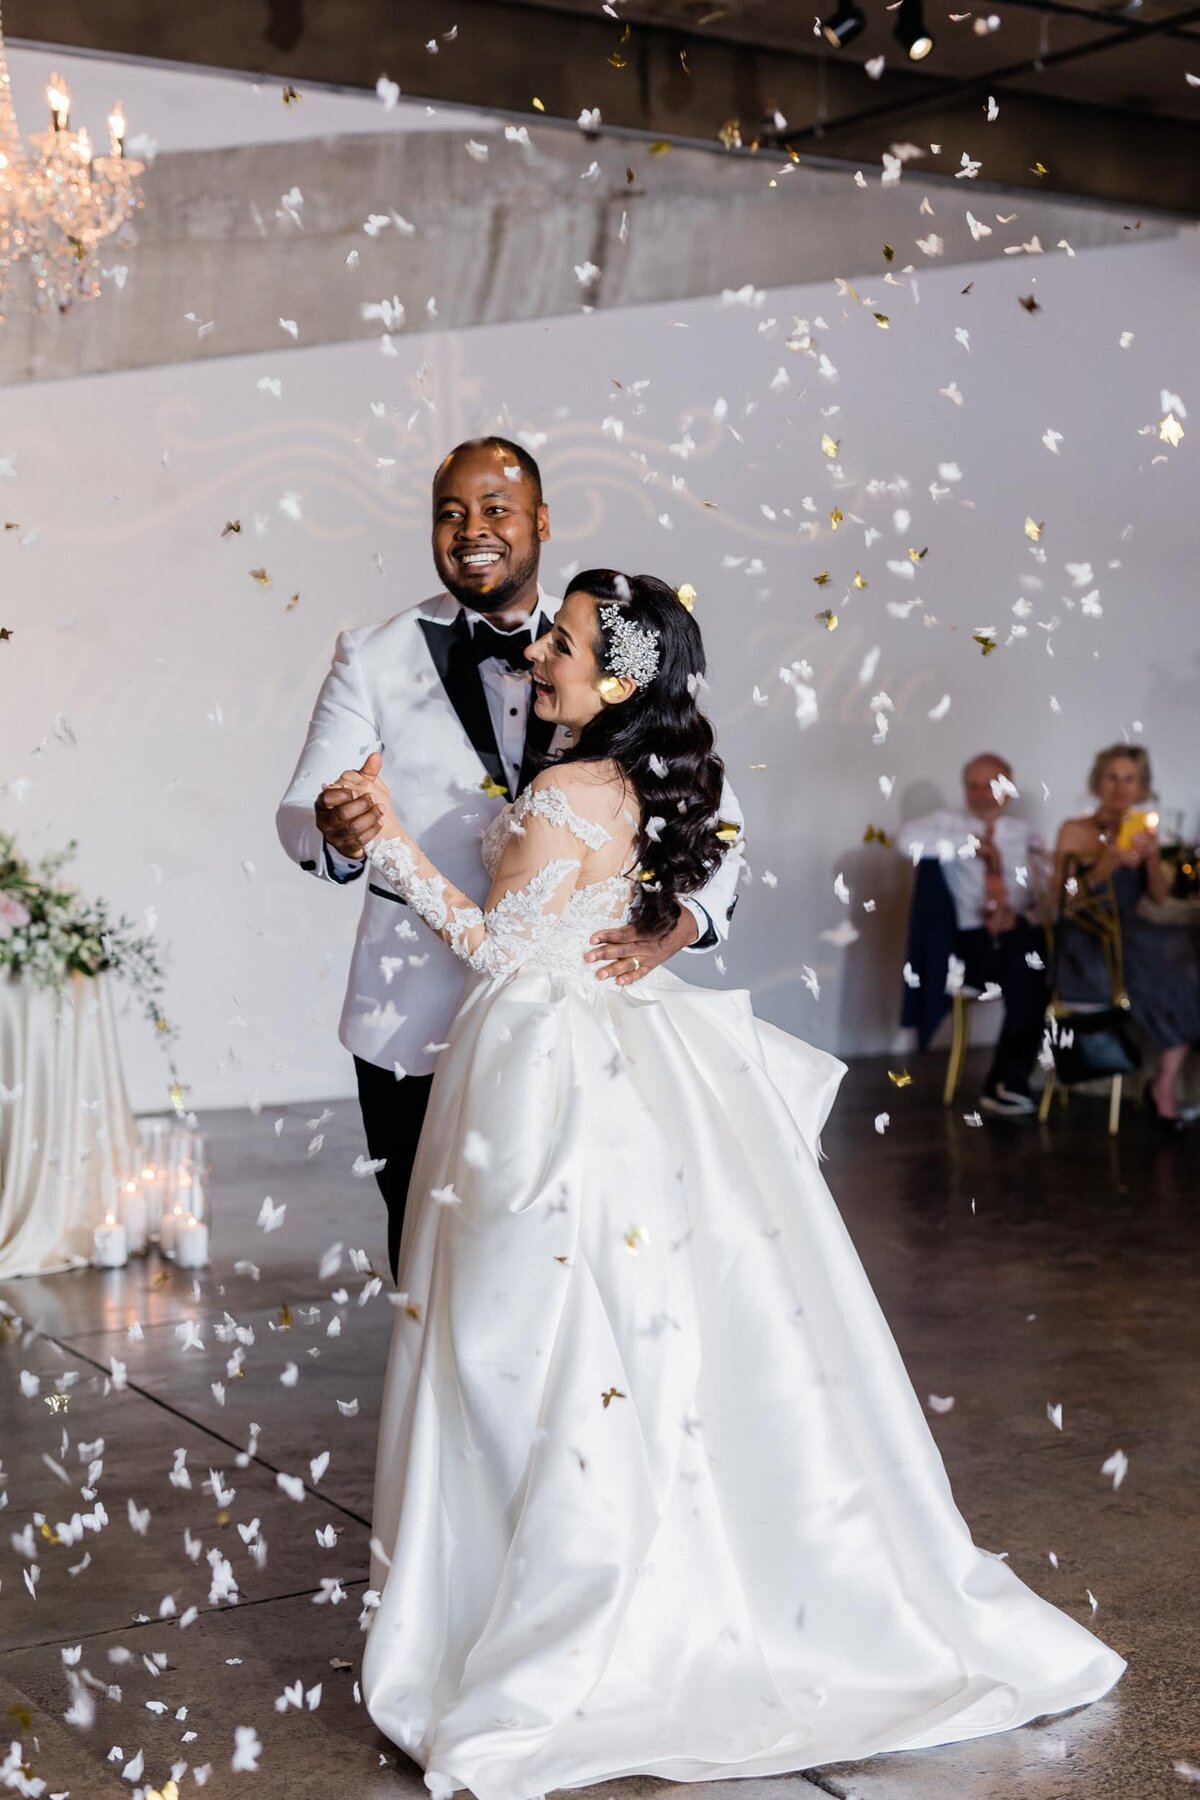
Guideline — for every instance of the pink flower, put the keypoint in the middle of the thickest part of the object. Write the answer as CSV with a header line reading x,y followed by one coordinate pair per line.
x,y
13,914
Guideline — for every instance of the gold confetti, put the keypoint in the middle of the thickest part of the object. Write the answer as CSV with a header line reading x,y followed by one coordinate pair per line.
x,y
492,789
1170,431
285,1317
1039,168
1029,303
635,1237
292,604
727,831
616,60
170,1792
58,1402
828,619
175,1094
223,1516
900,1078
888,253
537,105
644,875
160,1281
291,97
9,1329
836,517
230,526
1033,530
986,642
261,576
875,834
916,556
860,580
730,135
882,320
684,62
412,1311
830,445
686,595
822,580
565,1260
611,1395
660,148
51,1536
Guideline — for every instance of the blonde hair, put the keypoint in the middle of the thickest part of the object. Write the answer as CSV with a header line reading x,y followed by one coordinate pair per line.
x,y
1137,754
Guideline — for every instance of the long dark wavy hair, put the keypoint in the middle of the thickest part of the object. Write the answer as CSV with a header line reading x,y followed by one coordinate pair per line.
x,y
663,744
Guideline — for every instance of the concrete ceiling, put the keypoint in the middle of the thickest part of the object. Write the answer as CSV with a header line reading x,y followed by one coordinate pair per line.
x,y
1097,99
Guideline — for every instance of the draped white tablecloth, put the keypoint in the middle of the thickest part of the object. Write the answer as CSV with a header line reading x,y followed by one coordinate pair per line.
x,y
65,1125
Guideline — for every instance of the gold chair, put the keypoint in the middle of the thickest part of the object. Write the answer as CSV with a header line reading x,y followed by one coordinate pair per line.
x,y
1093,909
960,1041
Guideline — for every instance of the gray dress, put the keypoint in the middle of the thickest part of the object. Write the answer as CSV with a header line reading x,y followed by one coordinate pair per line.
x,y
1161,967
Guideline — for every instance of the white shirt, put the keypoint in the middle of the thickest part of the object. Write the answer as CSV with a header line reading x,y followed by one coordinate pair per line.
x,y
953,837
508,693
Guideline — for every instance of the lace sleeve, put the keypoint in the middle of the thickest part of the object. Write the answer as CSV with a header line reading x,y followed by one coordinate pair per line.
x,y
537,875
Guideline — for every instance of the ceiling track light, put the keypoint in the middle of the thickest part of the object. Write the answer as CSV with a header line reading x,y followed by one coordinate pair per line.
x,y
911,34
843,26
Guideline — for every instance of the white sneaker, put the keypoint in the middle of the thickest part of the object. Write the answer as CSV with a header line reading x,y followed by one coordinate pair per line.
x,y
1006,1103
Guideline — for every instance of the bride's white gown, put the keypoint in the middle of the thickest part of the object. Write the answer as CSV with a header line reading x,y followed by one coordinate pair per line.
x,y
654,1491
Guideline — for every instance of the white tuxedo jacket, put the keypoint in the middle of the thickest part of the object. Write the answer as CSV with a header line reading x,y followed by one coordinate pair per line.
x,y
410,688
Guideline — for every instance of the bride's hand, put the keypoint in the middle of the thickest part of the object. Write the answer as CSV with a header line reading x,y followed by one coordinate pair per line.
x,y
367,783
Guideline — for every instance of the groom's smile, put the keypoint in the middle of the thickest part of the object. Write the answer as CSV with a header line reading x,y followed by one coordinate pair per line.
x,y
489,522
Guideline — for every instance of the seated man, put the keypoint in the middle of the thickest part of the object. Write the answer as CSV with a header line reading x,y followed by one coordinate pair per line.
x,y
985,855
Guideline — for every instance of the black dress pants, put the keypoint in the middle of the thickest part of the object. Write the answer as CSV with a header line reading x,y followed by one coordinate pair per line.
x,y
393,1113
1002,959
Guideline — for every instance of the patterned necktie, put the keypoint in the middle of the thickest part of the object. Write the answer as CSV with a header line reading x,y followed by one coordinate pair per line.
x,y
993,880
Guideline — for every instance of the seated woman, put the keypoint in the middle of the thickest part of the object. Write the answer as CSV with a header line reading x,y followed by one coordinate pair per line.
x,y
1158,964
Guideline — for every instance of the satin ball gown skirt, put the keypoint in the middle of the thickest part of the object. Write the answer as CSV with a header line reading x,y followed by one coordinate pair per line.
x,y
654,1493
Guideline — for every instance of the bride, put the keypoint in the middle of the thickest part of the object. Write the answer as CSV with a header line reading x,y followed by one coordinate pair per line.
x,y
654,1494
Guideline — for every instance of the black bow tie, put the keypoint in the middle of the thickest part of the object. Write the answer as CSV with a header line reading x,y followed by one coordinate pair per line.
x,y
507,646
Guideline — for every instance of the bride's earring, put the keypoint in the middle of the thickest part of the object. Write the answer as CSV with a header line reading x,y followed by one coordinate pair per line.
x,y
610,689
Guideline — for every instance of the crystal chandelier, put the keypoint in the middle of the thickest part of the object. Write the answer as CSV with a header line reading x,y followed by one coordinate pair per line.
x,y
58,200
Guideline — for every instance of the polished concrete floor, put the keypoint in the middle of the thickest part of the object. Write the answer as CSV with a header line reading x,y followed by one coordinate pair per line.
x,y
1019,1268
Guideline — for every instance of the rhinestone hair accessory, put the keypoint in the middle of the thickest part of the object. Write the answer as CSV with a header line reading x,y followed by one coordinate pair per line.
x,y
634,652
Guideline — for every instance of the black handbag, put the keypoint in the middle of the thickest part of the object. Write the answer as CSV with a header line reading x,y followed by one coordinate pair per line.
x,y
1093,1046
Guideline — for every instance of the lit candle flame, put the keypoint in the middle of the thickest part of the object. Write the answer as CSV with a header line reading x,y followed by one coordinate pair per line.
x,y
58,98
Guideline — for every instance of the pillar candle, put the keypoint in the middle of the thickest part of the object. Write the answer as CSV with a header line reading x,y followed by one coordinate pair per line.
x,y
172,1219
111,1244
132,1208
191,1244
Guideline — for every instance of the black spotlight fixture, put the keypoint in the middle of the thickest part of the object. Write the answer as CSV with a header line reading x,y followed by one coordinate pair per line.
x,y
843,26
911,33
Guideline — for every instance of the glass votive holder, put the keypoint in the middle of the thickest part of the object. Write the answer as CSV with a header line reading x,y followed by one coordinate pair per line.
x,y
130,1205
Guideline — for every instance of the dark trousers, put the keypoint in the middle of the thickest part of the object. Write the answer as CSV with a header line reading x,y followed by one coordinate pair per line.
x,y
393,1113
1002,959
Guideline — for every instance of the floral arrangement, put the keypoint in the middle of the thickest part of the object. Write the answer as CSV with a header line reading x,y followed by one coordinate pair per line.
x,y
49,932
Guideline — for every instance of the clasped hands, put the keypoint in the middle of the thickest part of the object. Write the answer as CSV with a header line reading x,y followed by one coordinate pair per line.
x,y
356,808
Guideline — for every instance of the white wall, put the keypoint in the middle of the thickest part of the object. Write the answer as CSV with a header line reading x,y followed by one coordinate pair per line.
x,y
187,685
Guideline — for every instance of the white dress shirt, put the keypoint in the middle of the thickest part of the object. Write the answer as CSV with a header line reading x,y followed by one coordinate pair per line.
x,y
954,837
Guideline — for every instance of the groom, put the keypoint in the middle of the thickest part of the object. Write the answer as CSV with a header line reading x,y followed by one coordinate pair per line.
x,y
443,692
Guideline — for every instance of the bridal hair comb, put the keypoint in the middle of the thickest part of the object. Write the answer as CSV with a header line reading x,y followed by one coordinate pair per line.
x,y
634,652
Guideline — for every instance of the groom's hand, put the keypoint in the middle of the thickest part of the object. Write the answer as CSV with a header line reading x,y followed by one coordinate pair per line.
x,y
628,953
346,819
